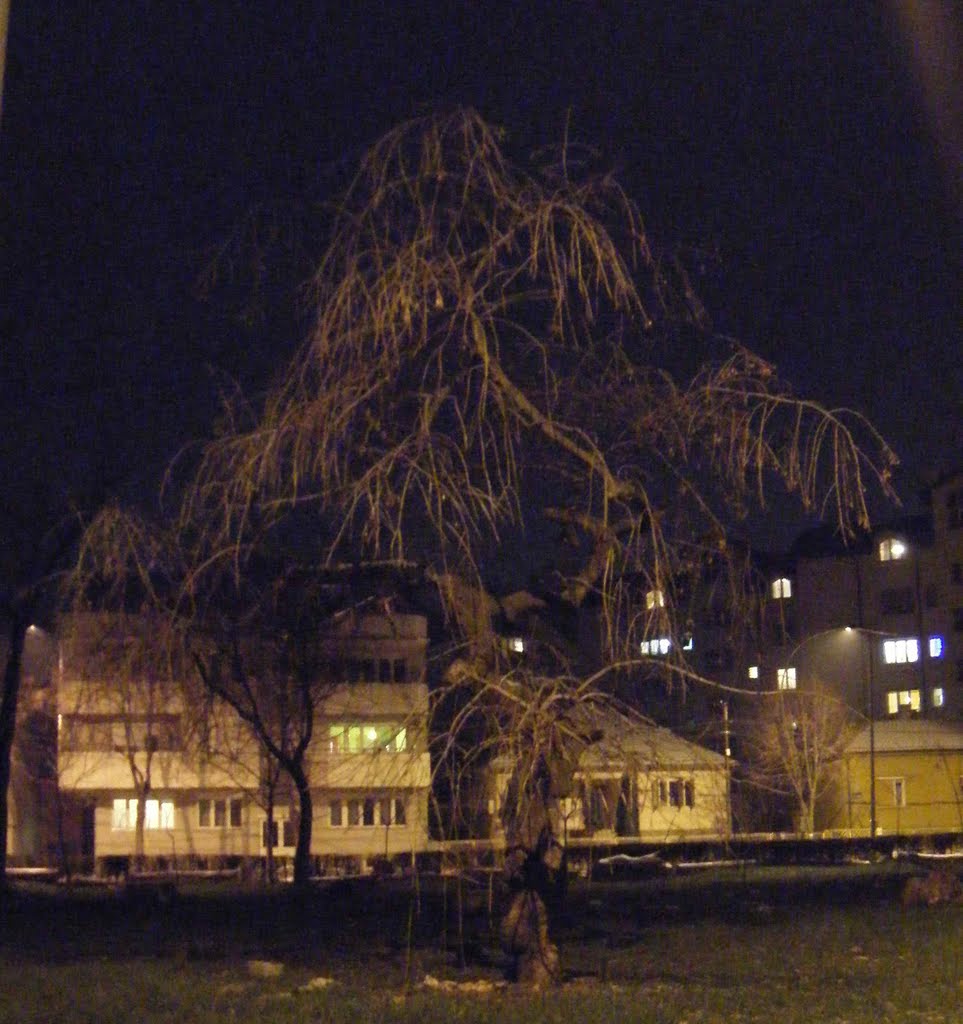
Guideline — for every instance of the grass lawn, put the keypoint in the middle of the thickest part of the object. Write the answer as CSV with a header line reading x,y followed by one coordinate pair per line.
x,y
767,945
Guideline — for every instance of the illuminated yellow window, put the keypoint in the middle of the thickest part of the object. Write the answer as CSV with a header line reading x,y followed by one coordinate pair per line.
x,y
786,678
891,549
782,588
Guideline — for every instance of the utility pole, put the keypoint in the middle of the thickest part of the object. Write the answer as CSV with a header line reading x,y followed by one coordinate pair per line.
x,y
728,753
4,28
867,635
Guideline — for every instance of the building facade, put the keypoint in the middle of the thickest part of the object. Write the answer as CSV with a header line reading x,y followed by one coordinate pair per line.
x,y
879,622
162,774
904,778
639,782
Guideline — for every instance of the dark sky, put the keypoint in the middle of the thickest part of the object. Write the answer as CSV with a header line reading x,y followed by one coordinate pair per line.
x,y
799,141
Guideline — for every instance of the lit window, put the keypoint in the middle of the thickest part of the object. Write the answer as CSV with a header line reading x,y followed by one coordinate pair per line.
x,y
782,588
353,739
657,647
936,647
654,599
891,549
938,698
689,644
897,699
753,671
901,652
124,815
152,814
786,678
158,814
517,645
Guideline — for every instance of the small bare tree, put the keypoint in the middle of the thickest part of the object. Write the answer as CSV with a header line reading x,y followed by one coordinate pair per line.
x,y
796,742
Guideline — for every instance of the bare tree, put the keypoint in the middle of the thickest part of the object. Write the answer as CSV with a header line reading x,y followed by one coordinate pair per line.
x,y
499,360
795,742
497,350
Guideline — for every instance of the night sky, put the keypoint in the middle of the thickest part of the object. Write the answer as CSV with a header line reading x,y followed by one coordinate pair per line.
x,y
803,144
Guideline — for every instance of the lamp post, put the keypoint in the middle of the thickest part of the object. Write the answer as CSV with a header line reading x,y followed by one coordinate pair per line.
x,y
871,711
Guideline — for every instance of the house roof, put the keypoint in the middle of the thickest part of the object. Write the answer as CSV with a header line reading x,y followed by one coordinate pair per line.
x,y
651,745
909,735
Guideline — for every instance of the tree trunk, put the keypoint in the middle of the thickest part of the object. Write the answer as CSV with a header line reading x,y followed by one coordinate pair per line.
x,y
302,852
8,723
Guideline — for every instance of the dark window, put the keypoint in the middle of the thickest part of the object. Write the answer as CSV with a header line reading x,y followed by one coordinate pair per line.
x,y
369,811
932,595
354,812
400,670
384,811
204,813
290,834
675,793
956,572
273,833
236,813
220,813
954,510
689,793
896,601
958,619
401,815
336,818
384,671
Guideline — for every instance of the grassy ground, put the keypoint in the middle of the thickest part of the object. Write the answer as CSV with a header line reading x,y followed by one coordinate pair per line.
x,y
831,946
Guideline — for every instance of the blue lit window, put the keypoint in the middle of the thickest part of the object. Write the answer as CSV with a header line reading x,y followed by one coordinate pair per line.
x,y
936,647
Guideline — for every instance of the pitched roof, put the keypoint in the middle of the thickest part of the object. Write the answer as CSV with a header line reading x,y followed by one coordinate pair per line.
x,y
909,735
652,745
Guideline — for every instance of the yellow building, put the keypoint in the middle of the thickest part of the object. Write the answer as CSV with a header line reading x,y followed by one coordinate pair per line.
x,y
918,769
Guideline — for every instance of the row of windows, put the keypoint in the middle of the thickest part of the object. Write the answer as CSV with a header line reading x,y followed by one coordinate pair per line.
x,y
351,738
673,793
158,814
785,676
123,734
906,650
373,670
659,646
162,732
219,813
368,812
910,700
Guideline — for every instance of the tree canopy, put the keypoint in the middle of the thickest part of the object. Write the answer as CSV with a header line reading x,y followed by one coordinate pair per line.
x,y
499,359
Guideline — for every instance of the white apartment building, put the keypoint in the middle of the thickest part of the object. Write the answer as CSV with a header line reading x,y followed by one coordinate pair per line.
x,y
204,780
